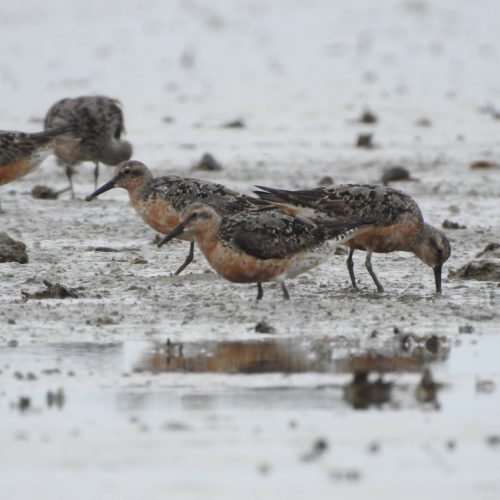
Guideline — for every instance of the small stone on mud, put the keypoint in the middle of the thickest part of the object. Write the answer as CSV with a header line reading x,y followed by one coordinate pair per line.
x,y
485,386
448,224
393,174
53,291
365,141
423,122
264,327
345,475
138,260
450,444
23,403
239,123
481,270
47,193
491,250
493,440
12,343
327,180
341,251
175,426
264,469
12,250
368,117
466,329
483,164
208,163
318,448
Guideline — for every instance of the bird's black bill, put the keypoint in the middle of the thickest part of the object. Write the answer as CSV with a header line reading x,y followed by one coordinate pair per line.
x,y
105,187
175,232
437,277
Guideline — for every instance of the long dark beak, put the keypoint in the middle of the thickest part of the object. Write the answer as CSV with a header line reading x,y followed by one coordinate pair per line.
x,y
437,277
105,187
179,229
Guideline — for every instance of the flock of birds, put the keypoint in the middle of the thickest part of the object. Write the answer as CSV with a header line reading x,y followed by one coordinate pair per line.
x,y
275,235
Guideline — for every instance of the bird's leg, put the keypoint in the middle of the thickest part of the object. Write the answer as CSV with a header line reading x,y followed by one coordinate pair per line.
x,y
96,174
286,295
368,264
350,268
69,175
188,260
437,277
260,291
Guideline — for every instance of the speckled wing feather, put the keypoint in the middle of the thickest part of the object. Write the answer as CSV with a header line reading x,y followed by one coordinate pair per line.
x,y
384,205
270,234
16,146
181,192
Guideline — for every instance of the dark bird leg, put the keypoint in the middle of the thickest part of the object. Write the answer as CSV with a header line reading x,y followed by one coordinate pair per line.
x,y
350,268
69,175
368,264
437,277
96,174
286,295
260,291
188,260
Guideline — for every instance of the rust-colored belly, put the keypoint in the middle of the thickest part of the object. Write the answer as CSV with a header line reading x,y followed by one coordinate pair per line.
x,y
240,267
397,237
158,214
14,170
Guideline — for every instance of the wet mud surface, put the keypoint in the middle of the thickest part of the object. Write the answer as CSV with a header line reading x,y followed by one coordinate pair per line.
x,y
117,376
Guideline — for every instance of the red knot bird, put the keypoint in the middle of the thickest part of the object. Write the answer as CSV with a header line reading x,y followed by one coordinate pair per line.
x,y
22,152
98,122
260,245
399,224
160,200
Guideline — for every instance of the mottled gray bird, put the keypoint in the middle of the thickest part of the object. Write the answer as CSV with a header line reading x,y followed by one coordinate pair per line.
x,y
22,152
98,122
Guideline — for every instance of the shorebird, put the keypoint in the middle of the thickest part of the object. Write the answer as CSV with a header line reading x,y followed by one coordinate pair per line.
x,y
22,152
98,122
160,200
399,224
263,244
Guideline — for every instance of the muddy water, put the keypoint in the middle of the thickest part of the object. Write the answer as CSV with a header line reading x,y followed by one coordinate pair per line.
x,y
307,374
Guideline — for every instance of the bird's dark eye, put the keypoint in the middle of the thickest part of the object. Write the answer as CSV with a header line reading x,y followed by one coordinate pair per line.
x,y
126,171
